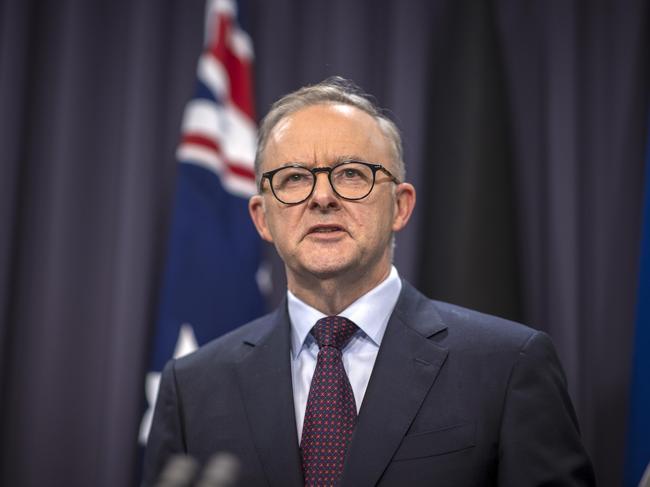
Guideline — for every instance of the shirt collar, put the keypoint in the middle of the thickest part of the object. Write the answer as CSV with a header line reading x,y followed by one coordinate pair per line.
x,y
370,312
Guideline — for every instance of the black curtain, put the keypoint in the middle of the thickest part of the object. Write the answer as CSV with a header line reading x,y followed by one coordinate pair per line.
x,y
578,77
468,247
91,95
523,125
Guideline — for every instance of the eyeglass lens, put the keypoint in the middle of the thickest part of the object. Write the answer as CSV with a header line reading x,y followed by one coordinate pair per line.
x,y
350,180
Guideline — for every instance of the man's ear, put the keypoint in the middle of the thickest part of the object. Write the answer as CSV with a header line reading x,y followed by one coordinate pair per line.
x,y
258,215
404,205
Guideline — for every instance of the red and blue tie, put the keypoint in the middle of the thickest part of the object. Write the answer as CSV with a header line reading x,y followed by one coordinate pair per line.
x,y
331,412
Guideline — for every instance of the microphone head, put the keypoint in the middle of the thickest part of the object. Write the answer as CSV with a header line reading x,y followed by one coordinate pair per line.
x,y
222,470
179,471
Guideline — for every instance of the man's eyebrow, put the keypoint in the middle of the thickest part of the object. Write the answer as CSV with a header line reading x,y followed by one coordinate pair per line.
x,y
350,157
293,163
336,160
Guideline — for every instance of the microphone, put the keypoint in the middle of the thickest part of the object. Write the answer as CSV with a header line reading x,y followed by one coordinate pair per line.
x,y
179,471
222,470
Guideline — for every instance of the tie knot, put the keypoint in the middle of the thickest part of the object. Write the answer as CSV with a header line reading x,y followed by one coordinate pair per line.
x,y
333,331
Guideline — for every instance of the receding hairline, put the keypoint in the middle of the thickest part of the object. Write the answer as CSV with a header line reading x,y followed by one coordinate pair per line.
x,y
332,91
343,110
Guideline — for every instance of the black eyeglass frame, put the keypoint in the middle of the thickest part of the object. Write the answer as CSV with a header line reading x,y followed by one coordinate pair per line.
x,y
315,170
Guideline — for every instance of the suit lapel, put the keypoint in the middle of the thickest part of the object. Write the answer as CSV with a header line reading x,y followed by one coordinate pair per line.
x,y
265,380
406,367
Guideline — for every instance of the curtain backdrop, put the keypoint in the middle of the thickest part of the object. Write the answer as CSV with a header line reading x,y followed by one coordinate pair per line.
x,y
523,124
91,95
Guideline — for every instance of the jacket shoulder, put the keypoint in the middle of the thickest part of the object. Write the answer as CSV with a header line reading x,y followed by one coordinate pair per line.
x,y
229,348
484,327
459,326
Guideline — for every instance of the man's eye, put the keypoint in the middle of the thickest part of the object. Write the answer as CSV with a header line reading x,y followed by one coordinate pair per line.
x,y
351,173
293,178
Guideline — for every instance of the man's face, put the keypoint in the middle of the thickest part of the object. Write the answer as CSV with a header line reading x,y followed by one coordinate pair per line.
x,y
327,236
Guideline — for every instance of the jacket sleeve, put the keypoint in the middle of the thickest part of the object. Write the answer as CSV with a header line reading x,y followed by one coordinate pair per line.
x,y
539,438
166,437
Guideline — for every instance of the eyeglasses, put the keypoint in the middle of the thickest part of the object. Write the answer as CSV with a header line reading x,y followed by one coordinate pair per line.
x,y
351,180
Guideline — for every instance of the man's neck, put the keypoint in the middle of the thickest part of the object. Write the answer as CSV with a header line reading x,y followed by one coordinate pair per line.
x,y
332,295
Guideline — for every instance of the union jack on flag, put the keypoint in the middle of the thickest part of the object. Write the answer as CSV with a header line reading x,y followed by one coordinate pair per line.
x,y
219,129
209,285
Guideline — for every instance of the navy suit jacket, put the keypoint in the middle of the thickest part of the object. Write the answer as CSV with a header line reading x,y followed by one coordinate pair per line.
x,y
456,398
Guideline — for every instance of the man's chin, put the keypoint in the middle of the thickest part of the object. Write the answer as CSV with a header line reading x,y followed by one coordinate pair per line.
x,y
326,270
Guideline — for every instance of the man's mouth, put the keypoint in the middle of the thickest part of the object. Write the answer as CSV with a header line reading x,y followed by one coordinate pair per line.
x,y
323,229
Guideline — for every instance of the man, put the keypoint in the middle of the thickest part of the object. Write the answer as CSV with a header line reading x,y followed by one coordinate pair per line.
x,y
358,379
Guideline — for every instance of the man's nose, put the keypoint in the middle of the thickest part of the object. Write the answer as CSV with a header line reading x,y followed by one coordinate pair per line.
x,y
323,195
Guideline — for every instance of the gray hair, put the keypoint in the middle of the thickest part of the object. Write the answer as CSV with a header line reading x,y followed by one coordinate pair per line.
x,y
330,91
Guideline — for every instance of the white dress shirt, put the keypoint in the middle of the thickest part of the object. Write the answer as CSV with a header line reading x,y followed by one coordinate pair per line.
x,y
370,313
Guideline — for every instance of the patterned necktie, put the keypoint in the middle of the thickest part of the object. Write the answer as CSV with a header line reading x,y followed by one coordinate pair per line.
x,y
331,411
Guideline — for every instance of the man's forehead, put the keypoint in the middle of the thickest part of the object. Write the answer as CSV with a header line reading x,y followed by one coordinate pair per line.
x,y
315,118
327,133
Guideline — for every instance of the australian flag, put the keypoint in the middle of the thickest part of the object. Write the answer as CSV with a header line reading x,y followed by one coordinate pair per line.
x,y
210,282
